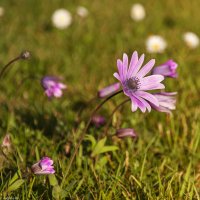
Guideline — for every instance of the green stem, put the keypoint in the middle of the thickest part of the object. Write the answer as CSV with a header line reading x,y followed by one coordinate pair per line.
x,y
31,186
84,132
23,55
7,65
111,116
78,117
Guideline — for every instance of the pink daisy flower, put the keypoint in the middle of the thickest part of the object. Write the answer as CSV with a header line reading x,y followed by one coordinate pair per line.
x,y
135,84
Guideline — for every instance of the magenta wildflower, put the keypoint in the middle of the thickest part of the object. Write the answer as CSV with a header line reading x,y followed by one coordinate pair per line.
x,y
167,69
52,86
167,101
44,166
108,90
98,120
134,83
126,132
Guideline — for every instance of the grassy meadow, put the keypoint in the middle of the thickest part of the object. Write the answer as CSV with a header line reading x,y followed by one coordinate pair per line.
x,y
163,163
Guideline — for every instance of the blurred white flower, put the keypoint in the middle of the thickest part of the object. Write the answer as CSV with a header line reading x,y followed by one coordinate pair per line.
x,y
137,12
61,18
82,11
155,44
1,11
191,40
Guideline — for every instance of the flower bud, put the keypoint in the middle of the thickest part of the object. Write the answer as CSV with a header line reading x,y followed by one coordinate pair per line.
x,y
126,132
6,141
168,69
108,90
44,166
98,120
25,55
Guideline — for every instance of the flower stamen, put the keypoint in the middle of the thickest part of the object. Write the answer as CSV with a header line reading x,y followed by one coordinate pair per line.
x,y
133,84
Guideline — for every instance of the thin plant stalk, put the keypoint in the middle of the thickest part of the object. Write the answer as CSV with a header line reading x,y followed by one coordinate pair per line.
x,y
31,186
24,55
85,107
111,116
84,132
7,65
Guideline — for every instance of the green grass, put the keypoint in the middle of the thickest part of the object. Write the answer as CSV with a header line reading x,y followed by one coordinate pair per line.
x,y
163,163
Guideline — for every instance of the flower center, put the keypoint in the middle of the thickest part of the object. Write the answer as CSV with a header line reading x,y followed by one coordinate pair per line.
x,y
133,84
156,47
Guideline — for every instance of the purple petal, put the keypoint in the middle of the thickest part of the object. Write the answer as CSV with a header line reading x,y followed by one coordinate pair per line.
x,y
134,104
161,109
149,97
139,103
125,65
134,60
167,102
155,86
44,166
62,86
52,86
49,93
117,76
57,92
126,132
147,68
167,93
120,69
46,162
138,66
108,90
145,103
149,80
167,69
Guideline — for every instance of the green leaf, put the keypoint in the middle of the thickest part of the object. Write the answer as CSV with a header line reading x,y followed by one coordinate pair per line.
x,y
59,193
37,153
14,178
100,148
91,139
52,180
108,148
101,162
15,185
11,122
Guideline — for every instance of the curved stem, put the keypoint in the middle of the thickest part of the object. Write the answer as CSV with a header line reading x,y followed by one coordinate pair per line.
x,y
8,64
78,116
111,116
24,55
84,132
